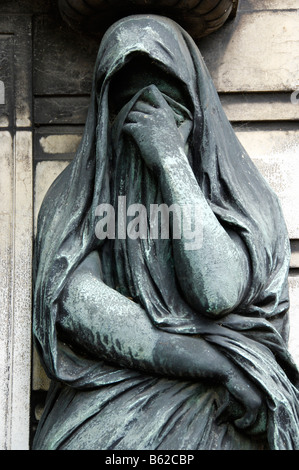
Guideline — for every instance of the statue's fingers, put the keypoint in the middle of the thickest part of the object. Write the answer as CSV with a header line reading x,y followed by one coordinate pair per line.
x,y
142,107
135,117
153,96
259,426
247,420
129,128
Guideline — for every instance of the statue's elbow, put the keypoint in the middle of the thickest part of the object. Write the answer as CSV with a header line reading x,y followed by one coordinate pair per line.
x,y
216,304
219,309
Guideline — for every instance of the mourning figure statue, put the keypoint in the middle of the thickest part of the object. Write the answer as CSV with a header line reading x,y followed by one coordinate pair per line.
x,y
155,342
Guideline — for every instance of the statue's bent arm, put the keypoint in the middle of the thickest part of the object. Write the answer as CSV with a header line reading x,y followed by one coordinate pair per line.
x,y
113,327
215,274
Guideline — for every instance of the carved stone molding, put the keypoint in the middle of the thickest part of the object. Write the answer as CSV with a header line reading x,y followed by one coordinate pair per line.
x,y
199,18
16,219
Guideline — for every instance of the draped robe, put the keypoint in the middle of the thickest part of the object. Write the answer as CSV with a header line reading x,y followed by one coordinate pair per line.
x,y
93,404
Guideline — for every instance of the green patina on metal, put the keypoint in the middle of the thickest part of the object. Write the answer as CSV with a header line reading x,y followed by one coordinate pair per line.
x,y
151,345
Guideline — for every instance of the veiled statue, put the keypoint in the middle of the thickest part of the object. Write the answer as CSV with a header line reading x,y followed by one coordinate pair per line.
x,y
151,345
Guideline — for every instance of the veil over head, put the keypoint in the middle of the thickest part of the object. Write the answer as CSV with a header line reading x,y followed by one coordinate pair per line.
x,y
254,337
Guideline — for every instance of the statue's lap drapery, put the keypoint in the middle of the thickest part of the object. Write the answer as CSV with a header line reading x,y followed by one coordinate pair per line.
x,y
96,300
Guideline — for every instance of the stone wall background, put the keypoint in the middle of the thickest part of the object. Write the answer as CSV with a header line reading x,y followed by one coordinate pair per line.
x,y
254,62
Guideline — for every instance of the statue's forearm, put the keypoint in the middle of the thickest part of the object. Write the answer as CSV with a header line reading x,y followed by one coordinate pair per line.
x,y
114,328
214,273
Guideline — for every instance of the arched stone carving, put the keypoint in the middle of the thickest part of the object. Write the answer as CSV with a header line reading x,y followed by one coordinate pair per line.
x,y
199,18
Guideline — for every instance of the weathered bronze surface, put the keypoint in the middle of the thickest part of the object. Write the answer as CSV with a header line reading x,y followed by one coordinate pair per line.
x,y
199,18
151,344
